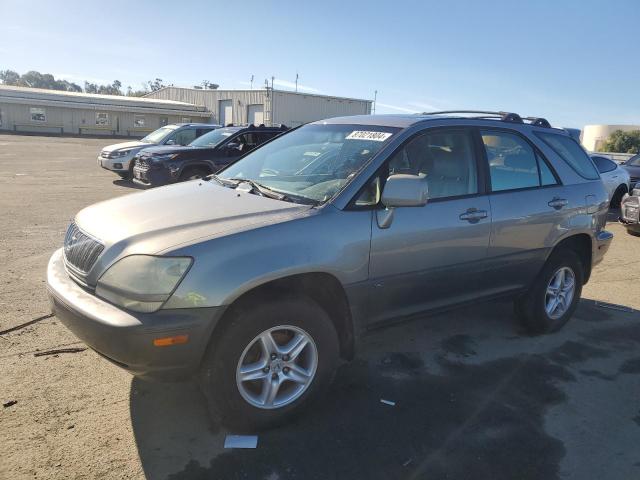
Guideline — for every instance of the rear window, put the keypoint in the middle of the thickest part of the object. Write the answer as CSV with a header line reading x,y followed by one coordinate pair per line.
x,y
572,153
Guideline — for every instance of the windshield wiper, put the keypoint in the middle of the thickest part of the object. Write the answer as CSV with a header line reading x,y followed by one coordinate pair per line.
x,y
222,181
262,189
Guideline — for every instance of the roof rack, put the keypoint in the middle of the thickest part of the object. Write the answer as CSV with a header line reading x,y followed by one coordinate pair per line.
x,y
503,116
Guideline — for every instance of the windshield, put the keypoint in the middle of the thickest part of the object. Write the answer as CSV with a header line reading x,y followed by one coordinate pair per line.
x,y
158,135
314,161
213,138
634,161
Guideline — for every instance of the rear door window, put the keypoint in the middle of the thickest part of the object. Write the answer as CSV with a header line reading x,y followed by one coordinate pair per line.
x,y
513,162
572,153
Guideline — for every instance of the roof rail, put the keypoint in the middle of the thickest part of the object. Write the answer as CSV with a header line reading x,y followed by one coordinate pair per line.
x,y
503,116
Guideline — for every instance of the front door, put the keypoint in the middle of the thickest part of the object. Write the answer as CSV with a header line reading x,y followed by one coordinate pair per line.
x,y
432,256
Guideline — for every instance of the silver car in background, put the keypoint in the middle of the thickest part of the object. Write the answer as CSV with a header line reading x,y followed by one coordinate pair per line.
x,y
259,279
615,178
118,157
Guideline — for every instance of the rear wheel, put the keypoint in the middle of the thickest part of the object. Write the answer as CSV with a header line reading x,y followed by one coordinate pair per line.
x,y
554,295
271,361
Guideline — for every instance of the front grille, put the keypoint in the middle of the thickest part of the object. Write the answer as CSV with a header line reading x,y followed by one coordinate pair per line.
x,y
80,250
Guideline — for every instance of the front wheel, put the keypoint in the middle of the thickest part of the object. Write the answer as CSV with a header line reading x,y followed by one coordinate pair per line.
x,y
271,361
554,295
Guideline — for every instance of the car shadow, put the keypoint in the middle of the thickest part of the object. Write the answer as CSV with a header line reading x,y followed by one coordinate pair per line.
x,y
469,390
121,182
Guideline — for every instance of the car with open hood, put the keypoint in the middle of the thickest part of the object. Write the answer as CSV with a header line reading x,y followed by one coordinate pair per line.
x,y
118,157
259,279
207,154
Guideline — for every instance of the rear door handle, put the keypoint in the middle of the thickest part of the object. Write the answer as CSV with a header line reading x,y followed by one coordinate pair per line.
x,y
558,203
473,215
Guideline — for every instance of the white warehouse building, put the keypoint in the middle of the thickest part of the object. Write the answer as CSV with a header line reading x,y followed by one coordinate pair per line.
x,y
264,106
593,136
32,110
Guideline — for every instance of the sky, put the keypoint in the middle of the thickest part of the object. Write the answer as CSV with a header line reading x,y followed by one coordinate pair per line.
x,y
573,62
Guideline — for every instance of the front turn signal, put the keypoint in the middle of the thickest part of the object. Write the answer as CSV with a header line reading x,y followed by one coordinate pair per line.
x,y
168,341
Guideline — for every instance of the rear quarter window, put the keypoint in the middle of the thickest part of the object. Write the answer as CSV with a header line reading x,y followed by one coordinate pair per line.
x,y
572,153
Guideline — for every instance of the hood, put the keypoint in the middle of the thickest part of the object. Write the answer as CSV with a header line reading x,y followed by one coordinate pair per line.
x,y
167,149
633,170
126,145
156,220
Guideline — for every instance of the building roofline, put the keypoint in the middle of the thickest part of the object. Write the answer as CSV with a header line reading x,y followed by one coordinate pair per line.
x,y
41,94
262,90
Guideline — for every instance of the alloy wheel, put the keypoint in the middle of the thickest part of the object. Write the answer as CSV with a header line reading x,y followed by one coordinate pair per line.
x,y
560,292
277,367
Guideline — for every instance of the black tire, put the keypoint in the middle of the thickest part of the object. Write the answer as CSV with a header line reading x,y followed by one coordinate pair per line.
x,y
194,174
617,196
634,233
530,307
218,371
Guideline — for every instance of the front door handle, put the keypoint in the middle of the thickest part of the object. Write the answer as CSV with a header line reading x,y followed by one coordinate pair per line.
x,y
558,203
473,215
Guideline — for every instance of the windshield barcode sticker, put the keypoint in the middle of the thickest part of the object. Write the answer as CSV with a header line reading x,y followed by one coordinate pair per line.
x,y
364,135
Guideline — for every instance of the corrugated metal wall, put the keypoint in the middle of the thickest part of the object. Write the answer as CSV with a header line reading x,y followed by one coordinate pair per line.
x,y
294,109
289,108
17,117
241,99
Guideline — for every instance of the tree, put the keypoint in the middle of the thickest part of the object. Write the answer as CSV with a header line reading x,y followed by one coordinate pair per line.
x,y
155,84
37,80
9,77
622,142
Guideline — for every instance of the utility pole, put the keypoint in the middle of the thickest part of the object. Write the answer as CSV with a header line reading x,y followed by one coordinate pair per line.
x,y
296,82
272,79
375,98
251,82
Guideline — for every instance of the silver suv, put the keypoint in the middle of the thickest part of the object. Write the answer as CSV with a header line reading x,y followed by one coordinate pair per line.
x,y
259,279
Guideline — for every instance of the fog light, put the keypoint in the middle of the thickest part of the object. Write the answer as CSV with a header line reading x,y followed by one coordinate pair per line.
x,y
117,166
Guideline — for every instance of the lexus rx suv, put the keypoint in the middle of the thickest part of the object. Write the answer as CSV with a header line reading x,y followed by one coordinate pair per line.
x,y
258,279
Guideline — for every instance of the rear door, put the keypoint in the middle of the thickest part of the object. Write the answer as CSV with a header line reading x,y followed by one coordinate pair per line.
x,y
528,204
434,255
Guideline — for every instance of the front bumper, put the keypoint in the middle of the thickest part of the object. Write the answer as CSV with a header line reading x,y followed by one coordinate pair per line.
x,y
118,165
126,338
152,177
601,245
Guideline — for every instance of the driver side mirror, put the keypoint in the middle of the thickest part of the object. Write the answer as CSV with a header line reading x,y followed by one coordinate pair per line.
x,y
405,191
402,190
170,142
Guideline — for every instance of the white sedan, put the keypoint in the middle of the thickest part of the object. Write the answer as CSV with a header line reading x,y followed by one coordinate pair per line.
x,y
615,178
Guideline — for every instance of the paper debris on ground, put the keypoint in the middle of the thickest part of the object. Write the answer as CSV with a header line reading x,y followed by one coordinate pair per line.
x,y
241,441
388,402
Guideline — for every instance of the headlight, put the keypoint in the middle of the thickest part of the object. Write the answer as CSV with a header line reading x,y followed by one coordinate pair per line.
x,y
142,283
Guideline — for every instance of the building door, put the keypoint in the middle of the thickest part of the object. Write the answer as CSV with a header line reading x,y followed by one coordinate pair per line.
x,y
255,114
226,112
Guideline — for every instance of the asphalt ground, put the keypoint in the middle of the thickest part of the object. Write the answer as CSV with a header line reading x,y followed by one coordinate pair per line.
x,y
475,397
